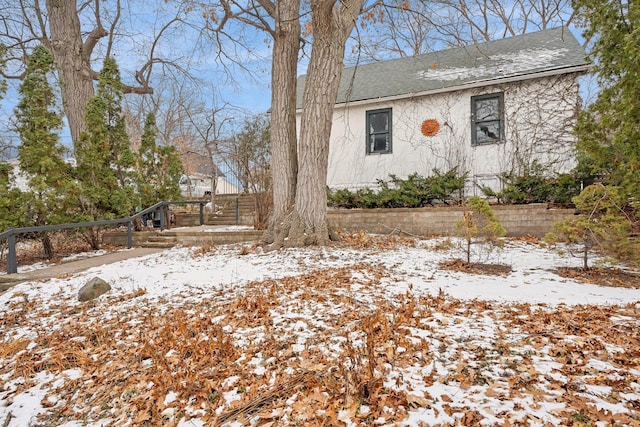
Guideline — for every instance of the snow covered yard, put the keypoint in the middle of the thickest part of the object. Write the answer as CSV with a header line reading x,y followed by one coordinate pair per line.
x,y
371,334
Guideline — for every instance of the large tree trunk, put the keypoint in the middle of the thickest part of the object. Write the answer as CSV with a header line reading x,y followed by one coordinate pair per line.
x,y
332,25
284,161
73,58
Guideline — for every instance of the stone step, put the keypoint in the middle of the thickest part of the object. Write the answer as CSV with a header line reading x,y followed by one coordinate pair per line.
x,y
162,245
221,221
182,237
223,217
159,241
159,238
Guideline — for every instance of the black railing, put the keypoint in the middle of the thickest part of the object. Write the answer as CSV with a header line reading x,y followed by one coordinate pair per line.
x,y
161,207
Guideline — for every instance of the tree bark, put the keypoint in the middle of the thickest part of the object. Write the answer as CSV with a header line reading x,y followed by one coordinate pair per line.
x,y
284,162
73,58
47,246
332,25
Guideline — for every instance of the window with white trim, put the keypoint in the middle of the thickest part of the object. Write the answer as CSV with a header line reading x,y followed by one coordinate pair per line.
x,y
487,119
379,131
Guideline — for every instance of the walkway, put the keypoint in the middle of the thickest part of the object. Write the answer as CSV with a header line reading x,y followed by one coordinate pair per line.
x,y
71,267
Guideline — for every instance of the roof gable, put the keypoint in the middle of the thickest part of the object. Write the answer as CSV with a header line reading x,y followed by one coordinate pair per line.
x,y
525,56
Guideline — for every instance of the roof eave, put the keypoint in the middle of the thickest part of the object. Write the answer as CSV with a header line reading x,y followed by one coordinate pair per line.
x,y
576,69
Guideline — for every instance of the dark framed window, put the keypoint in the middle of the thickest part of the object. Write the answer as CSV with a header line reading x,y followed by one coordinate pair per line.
x,y
487,119
379,131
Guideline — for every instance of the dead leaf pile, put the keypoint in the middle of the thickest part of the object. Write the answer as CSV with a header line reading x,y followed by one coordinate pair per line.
x,y
319,349
603,276
364,240
475,267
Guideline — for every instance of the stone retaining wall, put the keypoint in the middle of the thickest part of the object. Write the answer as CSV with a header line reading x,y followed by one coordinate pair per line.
x,y
186,238
193,219
519,220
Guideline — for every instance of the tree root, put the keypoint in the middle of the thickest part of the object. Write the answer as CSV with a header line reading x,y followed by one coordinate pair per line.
x,y
290,232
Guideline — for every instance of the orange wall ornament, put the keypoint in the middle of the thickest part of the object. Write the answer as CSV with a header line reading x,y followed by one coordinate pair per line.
x,y
430,127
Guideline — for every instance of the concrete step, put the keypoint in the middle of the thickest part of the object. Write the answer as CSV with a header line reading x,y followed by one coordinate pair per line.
x,y
194,237
160,245
159,241
221,221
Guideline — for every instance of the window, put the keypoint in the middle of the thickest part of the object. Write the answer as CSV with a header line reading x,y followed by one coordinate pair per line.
x,y
487,121
379,131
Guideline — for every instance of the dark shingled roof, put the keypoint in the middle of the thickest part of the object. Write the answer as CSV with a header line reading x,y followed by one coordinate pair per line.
x,y
551,51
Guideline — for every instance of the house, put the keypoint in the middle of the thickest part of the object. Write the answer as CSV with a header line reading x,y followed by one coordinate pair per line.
x,y
17,177
486,108
198,185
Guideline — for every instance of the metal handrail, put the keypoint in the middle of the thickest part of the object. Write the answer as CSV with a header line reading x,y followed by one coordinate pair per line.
x,y
10,234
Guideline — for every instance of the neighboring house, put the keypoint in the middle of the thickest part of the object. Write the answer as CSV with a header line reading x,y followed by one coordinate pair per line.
x,y
17,177
488,109
196,185
199,185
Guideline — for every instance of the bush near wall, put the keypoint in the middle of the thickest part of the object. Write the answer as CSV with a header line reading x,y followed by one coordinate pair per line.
x,y
537,186
413,192
533,186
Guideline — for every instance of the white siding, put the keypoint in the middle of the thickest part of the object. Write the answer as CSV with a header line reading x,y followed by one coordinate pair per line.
x,y
539,117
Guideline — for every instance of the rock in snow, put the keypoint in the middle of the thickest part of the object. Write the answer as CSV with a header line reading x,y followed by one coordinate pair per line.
x,y
93,289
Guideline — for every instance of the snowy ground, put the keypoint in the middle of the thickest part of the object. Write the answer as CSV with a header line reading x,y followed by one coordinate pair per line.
x,y
369,334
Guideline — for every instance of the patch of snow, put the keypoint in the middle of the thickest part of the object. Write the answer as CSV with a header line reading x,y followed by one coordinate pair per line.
x,y
180,278
497,65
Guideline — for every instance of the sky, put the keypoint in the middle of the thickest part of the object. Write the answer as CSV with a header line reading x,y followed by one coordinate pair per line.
x,y
211,77
192,334
223,79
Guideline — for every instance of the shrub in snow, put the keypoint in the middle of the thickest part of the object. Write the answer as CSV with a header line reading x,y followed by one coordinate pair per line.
x,y
479,225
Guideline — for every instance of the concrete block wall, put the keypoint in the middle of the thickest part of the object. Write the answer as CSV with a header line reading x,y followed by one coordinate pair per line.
x,y
187,219
518,220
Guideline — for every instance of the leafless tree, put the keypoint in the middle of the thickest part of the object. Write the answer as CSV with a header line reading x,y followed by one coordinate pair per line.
x,y
78,35
212,127
413,27
249,157
331,23
299,192
280,20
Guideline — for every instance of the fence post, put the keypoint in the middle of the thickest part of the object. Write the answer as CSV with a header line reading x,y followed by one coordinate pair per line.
x,y
201,213
12,259
129,234
163,219
237,211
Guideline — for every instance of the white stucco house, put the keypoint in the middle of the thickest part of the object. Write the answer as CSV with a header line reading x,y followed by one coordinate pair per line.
x,y
198,185
17,177
487,108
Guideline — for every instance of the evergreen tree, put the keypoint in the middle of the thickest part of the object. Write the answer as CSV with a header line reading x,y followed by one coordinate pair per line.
x,y
105,159
9,197
479,224
159,168
50,198
609,130
601,225
12,212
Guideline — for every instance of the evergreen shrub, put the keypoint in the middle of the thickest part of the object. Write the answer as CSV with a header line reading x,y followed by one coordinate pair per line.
x,y
413,192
